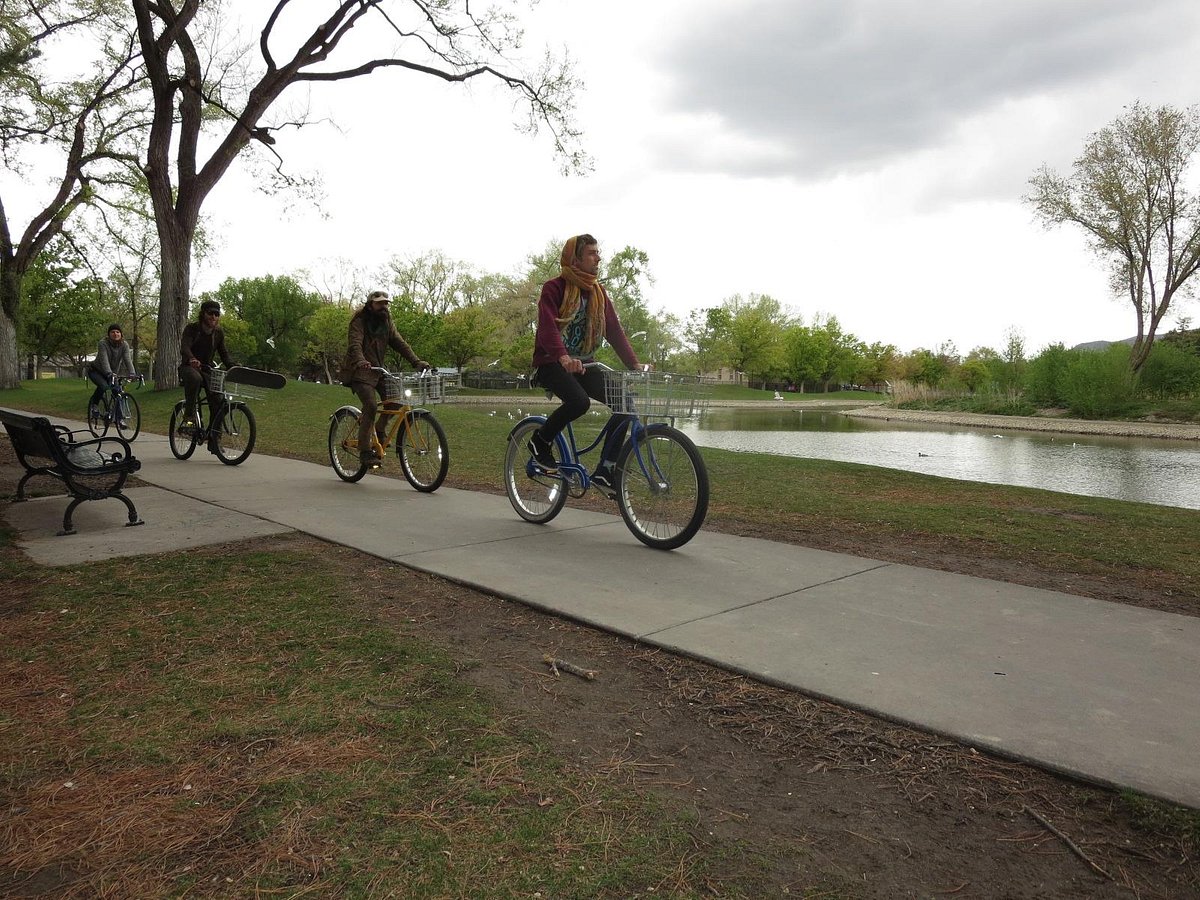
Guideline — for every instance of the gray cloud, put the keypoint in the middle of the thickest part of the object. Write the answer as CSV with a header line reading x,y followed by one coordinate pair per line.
x,y
826,86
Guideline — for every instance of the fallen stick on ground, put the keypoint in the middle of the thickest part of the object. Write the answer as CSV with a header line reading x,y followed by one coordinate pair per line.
x,y
1066,840
555,664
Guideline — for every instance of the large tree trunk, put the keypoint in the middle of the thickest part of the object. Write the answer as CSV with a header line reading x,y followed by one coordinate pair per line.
x,y
10,301
10,363
173,302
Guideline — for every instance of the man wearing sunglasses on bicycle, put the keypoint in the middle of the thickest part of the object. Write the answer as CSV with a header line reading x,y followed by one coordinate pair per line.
x,y
371,332
574,315
201,340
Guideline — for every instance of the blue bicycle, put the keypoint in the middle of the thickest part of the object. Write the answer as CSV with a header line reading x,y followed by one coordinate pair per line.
x,y
660,482
117,408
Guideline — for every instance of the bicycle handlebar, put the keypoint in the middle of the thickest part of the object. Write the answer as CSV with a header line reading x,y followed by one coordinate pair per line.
x,y
423,373
596,364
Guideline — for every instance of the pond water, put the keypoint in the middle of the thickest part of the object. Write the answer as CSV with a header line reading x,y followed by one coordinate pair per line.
x,y
1148,470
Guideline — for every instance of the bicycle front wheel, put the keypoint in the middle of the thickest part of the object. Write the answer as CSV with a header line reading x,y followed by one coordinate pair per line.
x,y
423,451
182,439
97,419
662,487
535,496
129,417
235,432
343,445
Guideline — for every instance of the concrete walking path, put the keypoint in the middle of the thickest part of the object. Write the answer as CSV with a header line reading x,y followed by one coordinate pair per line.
x,y
1098,690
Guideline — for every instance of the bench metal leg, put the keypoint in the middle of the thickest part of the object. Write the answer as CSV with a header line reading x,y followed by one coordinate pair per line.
x,y
21,498
133,516
69,528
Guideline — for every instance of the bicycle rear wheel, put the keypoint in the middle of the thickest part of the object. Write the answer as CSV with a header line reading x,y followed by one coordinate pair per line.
x,y
423,451
235,432
97,419
663,497
129,417
343,445
536,497
182,445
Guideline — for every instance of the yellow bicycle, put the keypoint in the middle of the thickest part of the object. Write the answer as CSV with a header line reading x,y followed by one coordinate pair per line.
x,y
419,438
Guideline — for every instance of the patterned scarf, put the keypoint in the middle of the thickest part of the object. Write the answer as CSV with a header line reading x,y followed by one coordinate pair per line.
x,y
579,281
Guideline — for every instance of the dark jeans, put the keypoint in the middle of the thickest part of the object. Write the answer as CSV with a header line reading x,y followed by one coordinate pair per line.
x,y
101,381
192,380
576,393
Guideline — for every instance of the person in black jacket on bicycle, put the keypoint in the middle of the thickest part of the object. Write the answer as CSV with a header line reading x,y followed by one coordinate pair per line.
x,y
201,341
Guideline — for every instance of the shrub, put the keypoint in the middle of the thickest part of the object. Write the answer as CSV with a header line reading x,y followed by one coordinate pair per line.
x,y
1094,384
1170,372
1043,377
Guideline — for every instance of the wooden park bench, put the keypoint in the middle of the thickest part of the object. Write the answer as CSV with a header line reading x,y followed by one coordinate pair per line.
x,y
93,469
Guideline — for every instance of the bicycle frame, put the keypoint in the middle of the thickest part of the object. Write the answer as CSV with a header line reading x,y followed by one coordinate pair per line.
x,y
571,455
401,415
120,409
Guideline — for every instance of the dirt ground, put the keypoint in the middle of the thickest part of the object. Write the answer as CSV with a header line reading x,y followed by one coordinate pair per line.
x,y
818,791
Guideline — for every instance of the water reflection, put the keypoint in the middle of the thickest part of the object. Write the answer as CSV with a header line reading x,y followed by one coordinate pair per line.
x,y
1151,471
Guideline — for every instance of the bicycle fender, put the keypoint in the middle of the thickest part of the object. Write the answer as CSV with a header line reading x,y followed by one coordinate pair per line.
x,y
539,419
345,409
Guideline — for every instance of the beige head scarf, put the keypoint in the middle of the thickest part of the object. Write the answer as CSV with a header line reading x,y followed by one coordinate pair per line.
x,y
579,281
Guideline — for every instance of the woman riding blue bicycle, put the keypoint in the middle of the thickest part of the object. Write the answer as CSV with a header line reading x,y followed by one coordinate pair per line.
x,y
574,315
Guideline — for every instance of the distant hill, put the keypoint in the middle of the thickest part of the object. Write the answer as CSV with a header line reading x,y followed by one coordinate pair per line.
x,y
1102,345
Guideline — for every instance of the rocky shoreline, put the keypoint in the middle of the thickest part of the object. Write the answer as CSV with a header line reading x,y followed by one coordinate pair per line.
x,y
1168,430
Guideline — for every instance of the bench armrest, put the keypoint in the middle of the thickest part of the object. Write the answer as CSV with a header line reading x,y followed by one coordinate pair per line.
x,y
101,453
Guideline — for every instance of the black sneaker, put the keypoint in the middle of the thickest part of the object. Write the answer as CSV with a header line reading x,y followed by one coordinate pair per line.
x,y
604,481
542,454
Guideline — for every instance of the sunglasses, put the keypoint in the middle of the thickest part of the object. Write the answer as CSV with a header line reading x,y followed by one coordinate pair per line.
x,y
212,312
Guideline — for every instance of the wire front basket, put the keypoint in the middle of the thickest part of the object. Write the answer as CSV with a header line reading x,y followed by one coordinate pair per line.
x,y
217,384
216,381
417,390
656,395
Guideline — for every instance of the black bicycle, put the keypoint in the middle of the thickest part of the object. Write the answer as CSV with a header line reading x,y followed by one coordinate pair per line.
x,y
232,431
117,408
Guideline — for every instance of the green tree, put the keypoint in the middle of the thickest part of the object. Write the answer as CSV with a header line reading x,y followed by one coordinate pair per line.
x,y
841,352
276,311
805,354
626,275
753,334
879,362
468,333
328,333
420,328
707,331
77,126
1129,192
1013,372
63,314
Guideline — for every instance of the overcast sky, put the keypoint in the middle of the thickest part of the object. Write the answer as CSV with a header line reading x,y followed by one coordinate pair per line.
x,y
861,158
